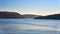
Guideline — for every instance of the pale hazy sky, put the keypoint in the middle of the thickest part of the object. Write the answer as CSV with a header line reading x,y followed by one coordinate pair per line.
x,y
40,7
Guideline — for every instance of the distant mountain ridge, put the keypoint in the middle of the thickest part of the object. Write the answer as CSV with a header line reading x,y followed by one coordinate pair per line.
x,y
6,14
30,15
55,16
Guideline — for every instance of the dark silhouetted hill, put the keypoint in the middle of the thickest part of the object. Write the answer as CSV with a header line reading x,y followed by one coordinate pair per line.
x,y
55,16
6,14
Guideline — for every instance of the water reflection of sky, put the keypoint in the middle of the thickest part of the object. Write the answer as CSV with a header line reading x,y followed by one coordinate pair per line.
x,y
22,26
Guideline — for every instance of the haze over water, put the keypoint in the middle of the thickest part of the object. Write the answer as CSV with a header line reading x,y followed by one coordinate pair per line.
x,y
29,26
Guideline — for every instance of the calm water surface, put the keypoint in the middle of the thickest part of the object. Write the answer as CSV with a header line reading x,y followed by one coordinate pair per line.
x,y
29,26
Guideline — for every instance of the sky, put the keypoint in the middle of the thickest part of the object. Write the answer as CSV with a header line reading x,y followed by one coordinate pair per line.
x,y
38,7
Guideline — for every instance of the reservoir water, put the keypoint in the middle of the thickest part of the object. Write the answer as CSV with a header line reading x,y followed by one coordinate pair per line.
x,y
29,26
